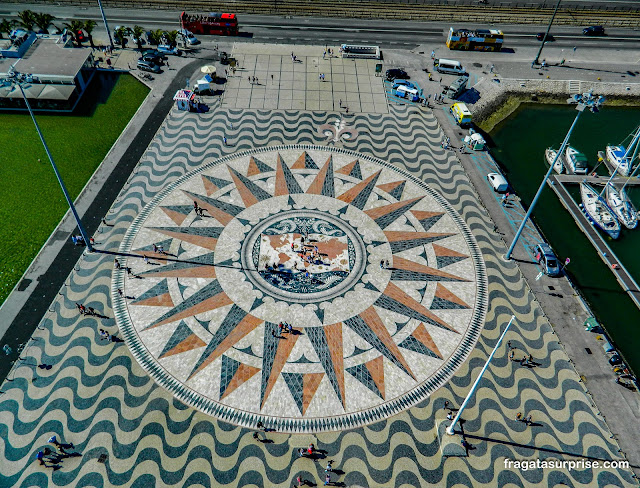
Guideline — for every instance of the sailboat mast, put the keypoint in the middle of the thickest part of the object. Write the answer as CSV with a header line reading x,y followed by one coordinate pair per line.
x,y
634,146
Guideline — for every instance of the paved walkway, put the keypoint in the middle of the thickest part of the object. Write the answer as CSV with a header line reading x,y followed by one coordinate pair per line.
x,y
128,431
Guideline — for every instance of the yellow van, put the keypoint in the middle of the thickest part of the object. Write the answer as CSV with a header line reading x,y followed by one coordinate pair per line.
x,y
460,113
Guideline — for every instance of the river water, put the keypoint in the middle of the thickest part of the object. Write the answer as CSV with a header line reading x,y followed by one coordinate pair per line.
x,y
518,145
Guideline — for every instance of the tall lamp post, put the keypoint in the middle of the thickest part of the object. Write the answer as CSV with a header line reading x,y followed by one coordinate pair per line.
x,y
106,26
586,100
18,79
449,429
546,34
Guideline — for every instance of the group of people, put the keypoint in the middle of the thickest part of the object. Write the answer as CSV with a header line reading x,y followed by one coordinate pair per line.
x,y
85,310
285,327
527,420
105,335
53,457
78,240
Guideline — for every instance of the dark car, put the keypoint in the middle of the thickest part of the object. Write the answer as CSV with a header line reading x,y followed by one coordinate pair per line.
x,y
154,52
146,66
396,73
547,259
593,30
151,58
540,36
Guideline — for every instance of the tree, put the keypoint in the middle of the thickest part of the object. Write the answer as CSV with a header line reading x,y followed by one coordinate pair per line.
x,y
171,37
43,21
5,26
26,19
155,36
137,33
121,34
89,25
72,30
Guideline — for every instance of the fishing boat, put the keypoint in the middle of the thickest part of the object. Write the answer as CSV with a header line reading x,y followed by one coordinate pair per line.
x,y
619,203
550,156
598,212
622,158
576,161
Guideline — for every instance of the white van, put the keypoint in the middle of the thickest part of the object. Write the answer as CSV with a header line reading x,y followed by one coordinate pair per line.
x,y
448,66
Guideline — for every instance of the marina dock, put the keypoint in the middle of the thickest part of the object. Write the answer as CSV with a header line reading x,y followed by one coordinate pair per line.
x,y
618,181
627,283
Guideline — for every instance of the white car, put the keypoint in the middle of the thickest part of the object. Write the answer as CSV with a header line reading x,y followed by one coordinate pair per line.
x,y
189,37
498,182
166,49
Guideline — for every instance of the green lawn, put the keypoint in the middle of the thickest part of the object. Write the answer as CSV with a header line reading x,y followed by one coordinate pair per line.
x,y
31,202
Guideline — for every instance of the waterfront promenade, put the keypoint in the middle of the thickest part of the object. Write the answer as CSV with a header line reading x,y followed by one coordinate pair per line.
x,y
129,431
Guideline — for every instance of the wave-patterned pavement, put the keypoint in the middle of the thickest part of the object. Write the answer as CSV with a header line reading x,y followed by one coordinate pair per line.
x,y
130,432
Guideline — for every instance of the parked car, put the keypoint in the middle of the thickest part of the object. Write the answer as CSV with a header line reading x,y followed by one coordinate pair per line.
x,y
396,73
547,259
593,30
189,37
166,49
540,36
147,66
154,52
397,83
498,182
150,58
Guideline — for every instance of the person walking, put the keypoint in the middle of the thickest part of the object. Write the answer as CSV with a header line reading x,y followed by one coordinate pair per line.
x,y
327,480
329,467
224,140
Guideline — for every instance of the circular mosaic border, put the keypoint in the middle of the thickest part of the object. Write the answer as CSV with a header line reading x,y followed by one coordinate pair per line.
x,y
333,423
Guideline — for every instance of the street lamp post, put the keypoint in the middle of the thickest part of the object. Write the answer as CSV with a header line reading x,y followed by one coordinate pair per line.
x,y
449,429
18,79
544,39
586,100
106,26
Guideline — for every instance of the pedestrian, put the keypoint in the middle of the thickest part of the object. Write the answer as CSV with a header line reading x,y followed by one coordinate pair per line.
x,y
574,48
54,440
120,292
146,258
347,109
322,76
433,54
260,425
249,79
329,467
117,263
519,417
509,344
301,453
231,125
273,333
257,81
341,103
450,415
167,63
299,480
324,54
446,405
327,479
491,68
310,449
511,354
528,420
382,264
271,78
523,361
562,62
104,334
290,328
530,359
224,140
91,311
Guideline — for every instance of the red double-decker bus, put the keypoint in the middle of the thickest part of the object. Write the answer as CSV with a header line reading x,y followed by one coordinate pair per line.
x,y
214,23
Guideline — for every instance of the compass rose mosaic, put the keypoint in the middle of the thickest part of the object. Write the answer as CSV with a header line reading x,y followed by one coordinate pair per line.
x,y
305,287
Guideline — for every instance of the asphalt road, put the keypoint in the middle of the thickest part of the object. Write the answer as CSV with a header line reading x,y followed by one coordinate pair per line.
x,y
319,31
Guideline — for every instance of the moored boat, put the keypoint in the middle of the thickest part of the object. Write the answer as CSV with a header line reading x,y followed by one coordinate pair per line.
x,y
616,156
550,156
619,203
598,212
576,161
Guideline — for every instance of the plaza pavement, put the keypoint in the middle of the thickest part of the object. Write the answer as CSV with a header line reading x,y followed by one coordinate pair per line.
x,y
131,432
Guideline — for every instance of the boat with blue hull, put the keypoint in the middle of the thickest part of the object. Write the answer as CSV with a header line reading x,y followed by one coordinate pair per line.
x,y
598,212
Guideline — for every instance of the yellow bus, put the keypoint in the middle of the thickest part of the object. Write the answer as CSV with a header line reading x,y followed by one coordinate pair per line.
x,y
475,40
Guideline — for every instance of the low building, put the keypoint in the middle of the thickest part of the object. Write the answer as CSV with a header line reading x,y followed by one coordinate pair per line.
x,y
57,75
